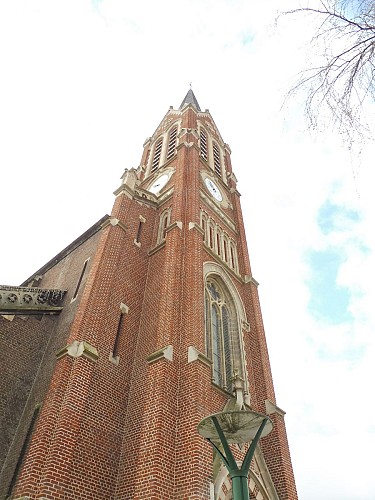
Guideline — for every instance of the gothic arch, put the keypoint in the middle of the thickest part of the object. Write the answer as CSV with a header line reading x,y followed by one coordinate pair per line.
x,y
215,269
260,483
214,273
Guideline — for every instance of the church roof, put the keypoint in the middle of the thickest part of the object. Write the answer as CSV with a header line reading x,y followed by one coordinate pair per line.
x,y
190,99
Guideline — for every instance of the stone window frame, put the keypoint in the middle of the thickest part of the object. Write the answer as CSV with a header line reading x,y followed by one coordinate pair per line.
x,y
164,222
215,273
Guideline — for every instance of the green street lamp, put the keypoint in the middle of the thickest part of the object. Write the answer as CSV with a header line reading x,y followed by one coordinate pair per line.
x,y
230,427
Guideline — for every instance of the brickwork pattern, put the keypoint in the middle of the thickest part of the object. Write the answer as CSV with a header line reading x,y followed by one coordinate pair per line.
x,y
128,429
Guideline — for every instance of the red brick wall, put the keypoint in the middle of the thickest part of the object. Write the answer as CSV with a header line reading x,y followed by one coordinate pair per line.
x,y
130,430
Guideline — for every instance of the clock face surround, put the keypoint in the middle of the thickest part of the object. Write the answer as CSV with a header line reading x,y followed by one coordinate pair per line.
x,y
159,183
213,189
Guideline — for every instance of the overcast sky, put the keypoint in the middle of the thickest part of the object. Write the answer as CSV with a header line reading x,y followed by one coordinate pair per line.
x,y
82,84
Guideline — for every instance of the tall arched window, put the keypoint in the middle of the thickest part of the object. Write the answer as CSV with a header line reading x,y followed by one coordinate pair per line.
x,y
223,345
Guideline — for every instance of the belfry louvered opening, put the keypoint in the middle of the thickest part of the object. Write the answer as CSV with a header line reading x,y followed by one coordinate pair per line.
x,y
172,142
203,144
217,161
157,155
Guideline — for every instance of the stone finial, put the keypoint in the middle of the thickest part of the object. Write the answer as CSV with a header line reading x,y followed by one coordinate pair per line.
x,y
130,178
238,387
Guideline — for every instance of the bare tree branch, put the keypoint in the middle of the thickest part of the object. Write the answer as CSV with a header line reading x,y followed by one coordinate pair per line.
x,y
344,80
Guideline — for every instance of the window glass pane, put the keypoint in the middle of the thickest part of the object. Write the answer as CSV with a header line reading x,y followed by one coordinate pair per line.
x,y
227,349
216,346
208,324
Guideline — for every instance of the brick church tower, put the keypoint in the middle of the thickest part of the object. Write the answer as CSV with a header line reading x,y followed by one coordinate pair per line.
x,y
122,343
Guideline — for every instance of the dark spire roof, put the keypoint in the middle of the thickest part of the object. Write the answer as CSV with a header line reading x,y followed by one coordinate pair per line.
x,y
190,99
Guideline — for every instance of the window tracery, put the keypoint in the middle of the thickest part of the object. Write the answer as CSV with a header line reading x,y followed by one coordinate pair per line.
x,y
222,334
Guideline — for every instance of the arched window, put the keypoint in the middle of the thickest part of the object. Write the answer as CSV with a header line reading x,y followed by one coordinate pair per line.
x,y
223,345
157,155
172,142
203,144
165,220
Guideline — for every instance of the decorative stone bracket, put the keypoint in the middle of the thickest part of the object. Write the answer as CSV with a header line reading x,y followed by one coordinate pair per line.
x,y
164,353
272,408
112,221
195,355
25,300
77,349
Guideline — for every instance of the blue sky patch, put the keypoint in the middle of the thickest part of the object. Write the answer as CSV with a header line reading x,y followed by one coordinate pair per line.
x,y
333,217
247,38
329,302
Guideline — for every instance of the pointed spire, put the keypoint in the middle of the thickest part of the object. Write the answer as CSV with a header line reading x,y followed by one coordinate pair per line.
x,y
190,99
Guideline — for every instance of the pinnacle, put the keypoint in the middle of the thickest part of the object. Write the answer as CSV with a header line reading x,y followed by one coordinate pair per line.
x,y
190,99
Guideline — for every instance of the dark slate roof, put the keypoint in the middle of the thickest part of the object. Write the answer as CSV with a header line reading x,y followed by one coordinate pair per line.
x,y
190,99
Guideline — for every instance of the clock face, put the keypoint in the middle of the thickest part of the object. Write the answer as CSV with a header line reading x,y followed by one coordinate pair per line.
x,y
213,189
159,183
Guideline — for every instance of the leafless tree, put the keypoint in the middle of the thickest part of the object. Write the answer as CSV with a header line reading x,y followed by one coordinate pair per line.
x,y
344,77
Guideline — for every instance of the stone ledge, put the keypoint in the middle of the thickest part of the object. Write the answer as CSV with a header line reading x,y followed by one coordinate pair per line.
x,y
158,247
250,279
77,349
194,225
113,222
195,355
174,224
164,353
272,408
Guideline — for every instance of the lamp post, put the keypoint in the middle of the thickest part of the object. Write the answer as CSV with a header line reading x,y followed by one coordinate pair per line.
x,y
230,427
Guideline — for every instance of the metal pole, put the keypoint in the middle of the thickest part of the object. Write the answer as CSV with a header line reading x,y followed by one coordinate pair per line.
x,y
239,475
240,488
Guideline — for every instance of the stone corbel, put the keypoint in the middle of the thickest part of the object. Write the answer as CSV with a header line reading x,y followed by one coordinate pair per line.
x,y
174,224
250,279
164,353
194,225
79,349
272,408
195,355
112,221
